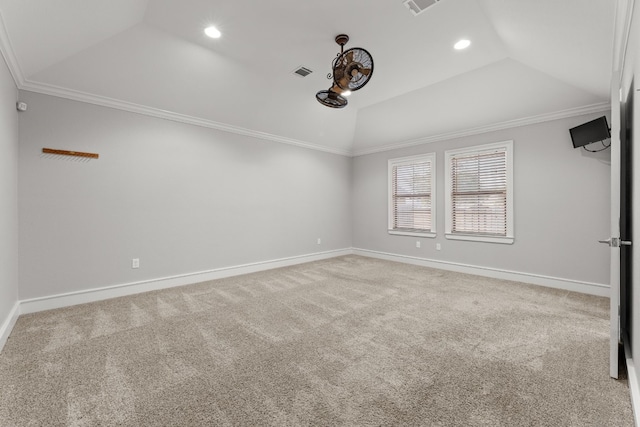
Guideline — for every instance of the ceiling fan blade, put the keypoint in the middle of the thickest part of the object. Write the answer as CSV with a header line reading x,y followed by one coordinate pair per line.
x,y
365,71
349,56
344,82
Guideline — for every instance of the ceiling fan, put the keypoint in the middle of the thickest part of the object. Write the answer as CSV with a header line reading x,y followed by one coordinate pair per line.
x,y
351,70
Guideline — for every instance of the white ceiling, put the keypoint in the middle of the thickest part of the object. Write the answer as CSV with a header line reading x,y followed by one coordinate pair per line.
x,y
527,59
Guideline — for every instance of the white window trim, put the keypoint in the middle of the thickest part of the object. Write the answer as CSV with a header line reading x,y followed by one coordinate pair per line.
x,y
410,160
509,238
412,233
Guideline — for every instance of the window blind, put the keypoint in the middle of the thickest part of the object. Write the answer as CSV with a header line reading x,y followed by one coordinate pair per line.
x,y
411,196
479,193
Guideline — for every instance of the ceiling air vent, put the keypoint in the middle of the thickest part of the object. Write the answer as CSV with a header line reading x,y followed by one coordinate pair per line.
x,y
302,71
416,7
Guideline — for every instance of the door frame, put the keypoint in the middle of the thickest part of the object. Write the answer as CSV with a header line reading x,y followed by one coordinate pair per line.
x,y
614,280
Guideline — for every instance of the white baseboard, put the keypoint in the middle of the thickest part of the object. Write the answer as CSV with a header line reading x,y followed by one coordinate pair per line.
x,y
535,279
99,294
634,388
8,324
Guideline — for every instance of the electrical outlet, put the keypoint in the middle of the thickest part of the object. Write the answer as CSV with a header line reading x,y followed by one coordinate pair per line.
x,y
319,241
418,244
135,263
438,246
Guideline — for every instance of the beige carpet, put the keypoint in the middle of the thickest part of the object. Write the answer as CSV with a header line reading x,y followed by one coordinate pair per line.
x,y
349,341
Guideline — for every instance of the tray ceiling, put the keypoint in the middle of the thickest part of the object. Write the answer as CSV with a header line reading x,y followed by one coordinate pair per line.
x,y
527,59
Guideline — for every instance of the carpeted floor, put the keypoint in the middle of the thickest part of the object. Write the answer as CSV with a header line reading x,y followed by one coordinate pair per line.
x,y
349,341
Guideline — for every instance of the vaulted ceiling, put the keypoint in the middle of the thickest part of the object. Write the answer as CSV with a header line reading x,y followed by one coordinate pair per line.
x,y
527,59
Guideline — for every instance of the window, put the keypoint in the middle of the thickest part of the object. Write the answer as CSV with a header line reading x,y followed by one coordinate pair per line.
x,y
479,193
411,200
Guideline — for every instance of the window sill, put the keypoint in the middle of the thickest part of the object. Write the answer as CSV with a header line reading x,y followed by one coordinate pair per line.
x,y
474,238
412,233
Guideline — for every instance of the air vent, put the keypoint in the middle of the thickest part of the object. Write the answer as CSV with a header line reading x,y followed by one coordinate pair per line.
x,y
302,71
416,7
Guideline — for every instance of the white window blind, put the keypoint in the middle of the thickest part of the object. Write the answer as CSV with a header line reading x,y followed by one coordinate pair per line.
x,y
411,202
479,193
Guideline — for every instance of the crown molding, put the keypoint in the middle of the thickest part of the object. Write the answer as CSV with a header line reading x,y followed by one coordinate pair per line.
x,y
571,112
6,49
622,30
48,89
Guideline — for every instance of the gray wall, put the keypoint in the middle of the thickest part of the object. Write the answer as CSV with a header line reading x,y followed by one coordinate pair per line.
x,y
561,204
181,198
186,199
8,193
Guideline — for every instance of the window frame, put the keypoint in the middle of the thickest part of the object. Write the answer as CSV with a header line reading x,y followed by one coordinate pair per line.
x,y
409,160
448,155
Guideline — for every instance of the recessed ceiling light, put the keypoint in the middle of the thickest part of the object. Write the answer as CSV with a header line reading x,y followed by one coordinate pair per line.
x,y
212,32
462,44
